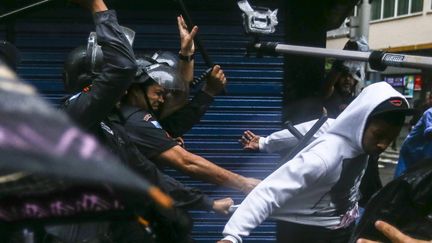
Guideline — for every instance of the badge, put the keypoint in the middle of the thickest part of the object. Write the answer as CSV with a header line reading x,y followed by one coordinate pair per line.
x,y
147,117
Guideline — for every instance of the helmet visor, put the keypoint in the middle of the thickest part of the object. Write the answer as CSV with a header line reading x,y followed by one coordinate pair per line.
x,y
166,77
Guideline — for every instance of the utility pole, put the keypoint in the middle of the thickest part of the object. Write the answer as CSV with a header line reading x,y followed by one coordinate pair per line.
x,y
364,13
359,24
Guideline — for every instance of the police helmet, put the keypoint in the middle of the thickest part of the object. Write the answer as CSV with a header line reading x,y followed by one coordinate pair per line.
x,y
76,71
161,68
85,62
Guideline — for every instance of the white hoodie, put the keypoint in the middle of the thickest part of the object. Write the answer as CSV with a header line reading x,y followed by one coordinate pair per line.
x,y
319,186
282,141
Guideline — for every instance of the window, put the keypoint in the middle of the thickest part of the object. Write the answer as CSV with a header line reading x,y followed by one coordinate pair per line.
x,y
403,7
376,10
389,7
383,9
416,6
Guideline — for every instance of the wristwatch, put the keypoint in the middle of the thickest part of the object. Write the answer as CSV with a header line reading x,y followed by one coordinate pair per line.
x,y
186,58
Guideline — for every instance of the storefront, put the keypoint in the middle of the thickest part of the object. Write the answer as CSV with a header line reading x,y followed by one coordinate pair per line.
x,y
408,84
407,81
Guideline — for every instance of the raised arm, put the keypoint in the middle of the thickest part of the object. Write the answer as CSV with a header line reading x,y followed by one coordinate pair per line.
x,y
187,50
118,69
186,117
327,88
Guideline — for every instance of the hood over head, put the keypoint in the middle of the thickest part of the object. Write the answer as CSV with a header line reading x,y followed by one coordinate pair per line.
x,y
352,121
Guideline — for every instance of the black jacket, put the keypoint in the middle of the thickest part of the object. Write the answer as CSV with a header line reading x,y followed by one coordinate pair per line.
x,y
153,136
181,121
96,102
91,109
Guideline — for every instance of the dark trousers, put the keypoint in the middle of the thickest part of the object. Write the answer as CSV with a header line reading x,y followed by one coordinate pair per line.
x,y
287,232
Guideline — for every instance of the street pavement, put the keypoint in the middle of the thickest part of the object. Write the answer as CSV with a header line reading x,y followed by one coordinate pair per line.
x,y
388,159
387,164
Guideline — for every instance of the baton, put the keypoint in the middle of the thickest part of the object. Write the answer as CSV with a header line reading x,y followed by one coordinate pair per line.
x,y
25,8
303,140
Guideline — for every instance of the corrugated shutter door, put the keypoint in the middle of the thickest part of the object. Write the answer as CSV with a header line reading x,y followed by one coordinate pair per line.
x,y
253,99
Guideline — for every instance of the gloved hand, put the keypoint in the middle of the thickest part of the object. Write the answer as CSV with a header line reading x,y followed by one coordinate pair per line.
x,y
215,82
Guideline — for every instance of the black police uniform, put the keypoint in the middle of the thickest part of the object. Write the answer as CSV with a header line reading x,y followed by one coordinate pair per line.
x,y
93,110
153,137
91,107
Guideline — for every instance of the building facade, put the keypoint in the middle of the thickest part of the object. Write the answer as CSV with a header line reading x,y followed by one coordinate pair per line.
x,y
402,26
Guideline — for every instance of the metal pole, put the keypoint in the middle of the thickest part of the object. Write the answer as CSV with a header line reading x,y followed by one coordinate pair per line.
x,y
374,57
321,52
364,14
23,9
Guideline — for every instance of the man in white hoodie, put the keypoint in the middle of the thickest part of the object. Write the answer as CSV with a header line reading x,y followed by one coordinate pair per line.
x,y
315,194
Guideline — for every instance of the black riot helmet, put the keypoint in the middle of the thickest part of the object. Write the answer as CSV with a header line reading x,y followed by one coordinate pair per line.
x,y
160,73
166,57
161,68
85,62
76,72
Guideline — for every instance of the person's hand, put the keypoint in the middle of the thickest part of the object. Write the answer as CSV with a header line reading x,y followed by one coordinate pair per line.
x,y
180,141
250,141
328,87
221,206
249,184
92,5
392,233
187,46
224,241
216,81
